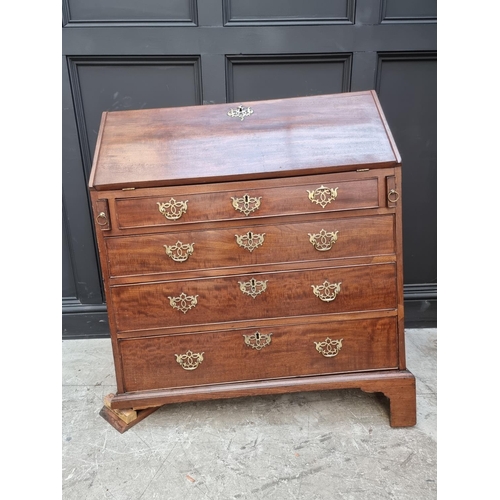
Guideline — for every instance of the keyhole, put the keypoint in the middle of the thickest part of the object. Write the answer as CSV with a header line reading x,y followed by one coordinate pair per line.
x,y
257,335
247,199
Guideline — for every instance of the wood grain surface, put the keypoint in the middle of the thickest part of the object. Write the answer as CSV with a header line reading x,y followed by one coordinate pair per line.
x,y
283,137
150,363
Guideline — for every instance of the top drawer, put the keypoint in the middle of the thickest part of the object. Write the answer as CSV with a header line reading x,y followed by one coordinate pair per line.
x,y
173,206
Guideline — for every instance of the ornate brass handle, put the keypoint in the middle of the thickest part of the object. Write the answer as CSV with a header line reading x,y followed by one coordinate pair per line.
x,y
323,240
258,340
329,348
250,241
323,195
179,252
183,302
327,292
395,195
190,360
253,287
173,209
247,204
102,215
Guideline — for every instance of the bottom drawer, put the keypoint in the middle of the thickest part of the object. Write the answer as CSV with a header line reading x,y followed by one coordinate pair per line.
x,y
256,354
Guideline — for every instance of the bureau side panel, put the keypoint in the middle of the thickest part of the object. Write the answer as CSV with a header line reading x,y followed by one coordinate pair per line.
x,y
103,225
400,273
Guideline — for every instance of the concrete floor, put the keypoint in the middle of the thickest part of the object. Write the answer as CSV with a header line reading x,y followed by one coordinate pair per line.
x,y
318,445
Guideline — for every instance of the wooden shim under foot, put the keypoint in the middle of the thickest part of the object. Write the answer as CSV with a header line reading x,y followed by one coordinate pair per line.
x,y
120,425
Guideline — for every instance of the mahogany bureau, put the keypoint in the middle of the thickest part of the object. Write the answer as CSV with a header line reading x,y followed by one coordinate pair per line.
x,y
252,249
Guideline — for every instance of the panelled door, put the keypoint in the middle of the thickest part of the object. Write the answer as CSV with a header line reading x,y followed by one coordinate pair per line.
x,y
124,54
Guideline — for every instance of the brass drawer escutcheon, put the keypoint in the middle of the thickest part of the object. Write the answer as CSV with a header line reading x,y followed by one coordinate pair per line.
x,y
258,340
247,204
179,252
250,241
253,287
323,195
329,348
183,302
323,240
190,360
327,292
240,112
173,209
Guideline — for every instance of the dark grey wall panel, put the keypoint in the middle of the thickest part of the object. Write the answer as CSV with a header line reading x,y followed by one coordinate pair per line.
x,y
409,10
241,12
115,84
406,85
76,206
129,11
254,78
68,280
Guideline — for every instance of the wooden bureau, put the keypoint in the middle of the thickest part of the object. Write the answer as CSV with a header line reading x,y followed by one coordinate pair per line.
x,y
251,249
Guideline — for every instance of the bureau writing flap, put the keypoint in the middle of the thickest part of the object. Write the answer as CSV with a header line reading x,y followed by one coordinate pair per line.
x,y
258,139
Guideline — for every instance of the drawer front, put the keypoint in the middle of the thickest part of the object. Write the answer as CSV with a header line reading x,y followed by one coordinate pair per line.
x,y
179,207
254,354
253,296
327,238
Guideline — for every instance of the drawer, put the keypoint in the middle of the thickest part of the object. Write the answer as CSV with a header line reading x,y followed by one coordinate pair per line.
x,y
327,238
179,207
254,296
253,354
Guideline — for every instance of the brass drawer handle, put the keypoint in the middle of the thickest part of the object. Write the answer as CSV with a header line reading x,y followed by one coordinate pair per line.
x,y
253,287
190,360
179,252
329,348
184,302
394,194
323,240
250,241
258,340
323,195
102,215
173,209
327,292
247,204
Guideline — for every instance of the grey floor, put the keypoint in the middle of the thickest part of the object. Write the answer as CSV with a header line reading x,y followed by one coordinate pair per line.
x,y
319,445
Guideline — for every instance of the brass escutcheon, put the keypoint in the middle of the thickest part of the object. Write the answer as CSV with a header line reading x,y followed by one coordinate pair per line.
x,y
240,112
247,204
102,215
327,292
329,348
250,241
190,360
173,209
323,195
323,240
183,302
258,340
179,252
253,287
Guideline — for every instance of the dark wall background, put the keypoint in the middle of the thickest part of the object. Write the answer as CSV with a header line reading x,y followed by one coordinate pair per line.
x,y
124,54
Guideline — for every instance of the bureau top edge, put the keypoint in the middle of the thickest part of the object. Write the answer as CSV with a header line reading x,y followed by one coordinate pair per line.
x,y
251,140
